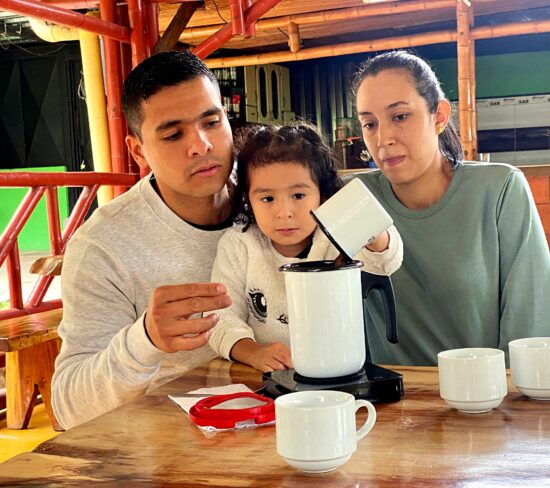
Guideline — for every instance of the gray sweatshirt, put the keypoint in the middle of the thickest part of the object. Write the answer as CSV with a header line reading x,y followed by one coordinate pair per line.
x,y
113,262
476,267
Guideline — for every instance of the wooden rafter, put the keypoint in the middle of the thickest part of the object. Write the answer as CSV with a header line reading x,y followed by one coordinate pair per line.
x,y
173,32
424,39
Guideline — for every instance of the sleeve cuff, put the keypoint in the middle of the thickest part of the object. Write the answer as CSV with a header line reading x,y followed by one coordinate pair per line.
x,y
140,346
231,337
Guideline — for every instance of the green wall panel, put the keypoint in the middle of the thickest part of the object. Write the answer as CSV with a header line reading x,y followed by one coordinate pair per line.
x,y
35,234
500,75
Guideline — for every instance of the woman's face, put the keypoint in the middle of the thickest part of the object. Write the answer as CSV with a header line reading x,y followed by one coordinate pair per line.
x,y
398,130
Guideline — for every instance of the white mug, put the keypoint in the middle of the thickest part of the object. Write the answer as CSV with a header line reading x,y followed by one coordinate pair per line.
x,y
352,218
530,366
473,379
316,430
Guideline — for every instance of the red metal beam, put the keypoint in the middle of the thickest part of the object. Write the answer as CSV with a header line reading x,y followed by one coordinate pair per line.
x,y
75,221
250,30
19,219
58,243
43,307
237,17
92,4
14,277
66,179
138,36
152,14
52,205
73,4
66,17
79,212
207,47
113,84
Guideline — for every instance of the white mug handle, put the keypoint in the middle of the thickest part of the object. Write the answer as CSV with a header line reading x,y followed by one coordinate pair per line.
x,y
369,424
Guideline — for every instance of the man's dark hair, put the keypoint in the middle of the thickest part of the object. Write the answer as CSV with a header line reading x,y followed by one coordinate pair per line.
x,y
164,69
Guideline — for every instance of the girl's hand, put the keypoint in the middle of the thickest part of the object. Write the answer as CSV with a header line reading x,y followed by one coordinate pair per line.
x,y
269,357
379,244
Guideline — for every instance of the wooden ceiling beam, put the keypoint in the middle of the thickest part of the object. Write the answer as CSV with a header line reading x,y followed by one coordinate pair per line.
x,y
172,34
324,17
294,41
477,33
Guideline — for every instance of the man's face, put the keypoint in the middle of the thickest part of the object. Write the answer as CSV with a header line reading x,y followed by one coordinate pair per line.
x,y
186,141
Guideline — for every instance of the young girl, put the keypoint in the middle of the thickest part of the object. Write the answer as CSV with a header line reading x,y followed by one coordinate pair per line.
x,y
283,173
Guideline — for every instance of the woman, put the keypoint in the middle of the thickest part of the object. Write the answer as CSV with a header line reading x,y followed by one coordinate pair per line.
x,y
476,266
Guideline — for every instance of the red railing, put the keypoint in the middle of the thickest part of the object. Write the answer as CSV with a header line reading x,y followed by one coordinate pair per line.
x,y
40,184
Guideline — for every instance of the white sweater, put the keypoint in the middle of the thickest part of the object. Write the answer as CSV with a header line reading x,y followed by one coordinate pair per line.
x,y
247,263
114,261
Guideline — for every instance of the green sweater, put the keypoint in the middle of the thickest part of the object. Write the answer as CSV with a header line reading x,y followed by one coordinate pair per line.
x,y
476,267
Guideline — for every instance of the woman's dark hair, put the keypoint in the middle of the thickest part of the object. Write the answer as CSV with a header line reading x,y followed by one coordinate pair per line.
x,y
300,143
427,85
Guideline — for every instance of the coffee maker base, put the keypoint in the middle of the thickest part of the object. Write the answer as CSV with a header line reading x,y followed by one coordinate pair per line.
x,y
377,385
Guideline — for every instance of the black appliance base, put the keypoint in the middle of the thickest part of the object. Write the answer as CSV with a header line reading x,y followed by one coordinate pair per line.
x,y
377,385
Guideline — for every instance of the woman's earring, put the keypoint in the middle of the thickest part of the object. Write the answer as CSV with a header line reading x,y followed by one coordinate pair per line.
x,y
440,129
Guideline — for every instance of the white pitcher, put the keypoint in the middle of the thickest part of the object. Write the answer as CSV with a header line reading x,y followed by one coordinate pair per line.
x,y
325,309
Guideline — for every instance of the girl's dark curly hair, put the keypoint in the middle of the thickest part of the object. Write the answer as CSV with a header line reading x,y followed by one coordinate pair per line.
x,y
298,143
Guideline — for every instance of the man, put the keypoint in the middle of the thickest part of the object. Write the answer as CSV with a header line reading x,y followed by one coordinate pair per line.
x,y
135,275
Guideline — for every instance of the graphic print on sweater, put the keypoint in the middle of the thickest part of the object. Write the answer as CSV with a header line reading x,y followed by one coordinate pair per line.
x,y
258,304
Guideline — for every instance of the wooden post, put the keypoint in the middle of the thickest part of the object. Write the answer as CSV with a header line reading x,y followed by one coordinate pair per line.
x,y
29,371
294,41
178,23
464,86
473,105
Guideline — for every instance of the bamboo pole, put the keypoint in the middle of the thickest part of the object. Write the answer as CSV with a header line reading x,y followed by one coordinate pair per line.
x,y
294,41
379,44
513,29
343,14
463,59
473,104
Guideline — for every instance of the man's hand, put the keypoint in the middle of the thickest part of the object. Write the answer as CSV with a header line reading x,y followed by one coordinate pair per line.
x,y
168,319
269,357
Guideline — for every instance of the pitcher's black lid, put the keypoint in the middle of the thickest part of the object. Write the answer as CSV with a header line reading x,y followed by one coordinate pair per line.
x,y
319,266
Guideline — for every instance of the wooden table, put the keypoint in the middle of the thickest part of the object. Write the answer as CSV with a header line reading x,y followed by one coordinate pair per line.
x,y
416,442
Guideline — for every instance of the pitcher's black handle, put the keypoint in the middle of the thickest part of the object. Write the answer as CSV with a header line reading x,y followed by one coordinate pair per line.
x,y
370,282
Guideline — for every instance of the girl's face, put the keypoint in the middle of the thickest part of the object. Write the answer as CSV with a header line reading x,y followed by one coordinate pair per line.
x,y
399,131
281,196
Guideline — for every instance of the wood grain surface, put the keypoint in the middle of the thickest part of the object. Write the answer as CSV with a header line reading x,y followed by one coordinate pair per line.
x,y
416,442
22,332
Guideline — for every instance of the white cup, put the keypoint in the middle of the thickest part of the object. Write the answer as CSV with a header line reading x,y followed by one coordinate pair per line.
x,y
472,380
316,430
352,217
530,366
